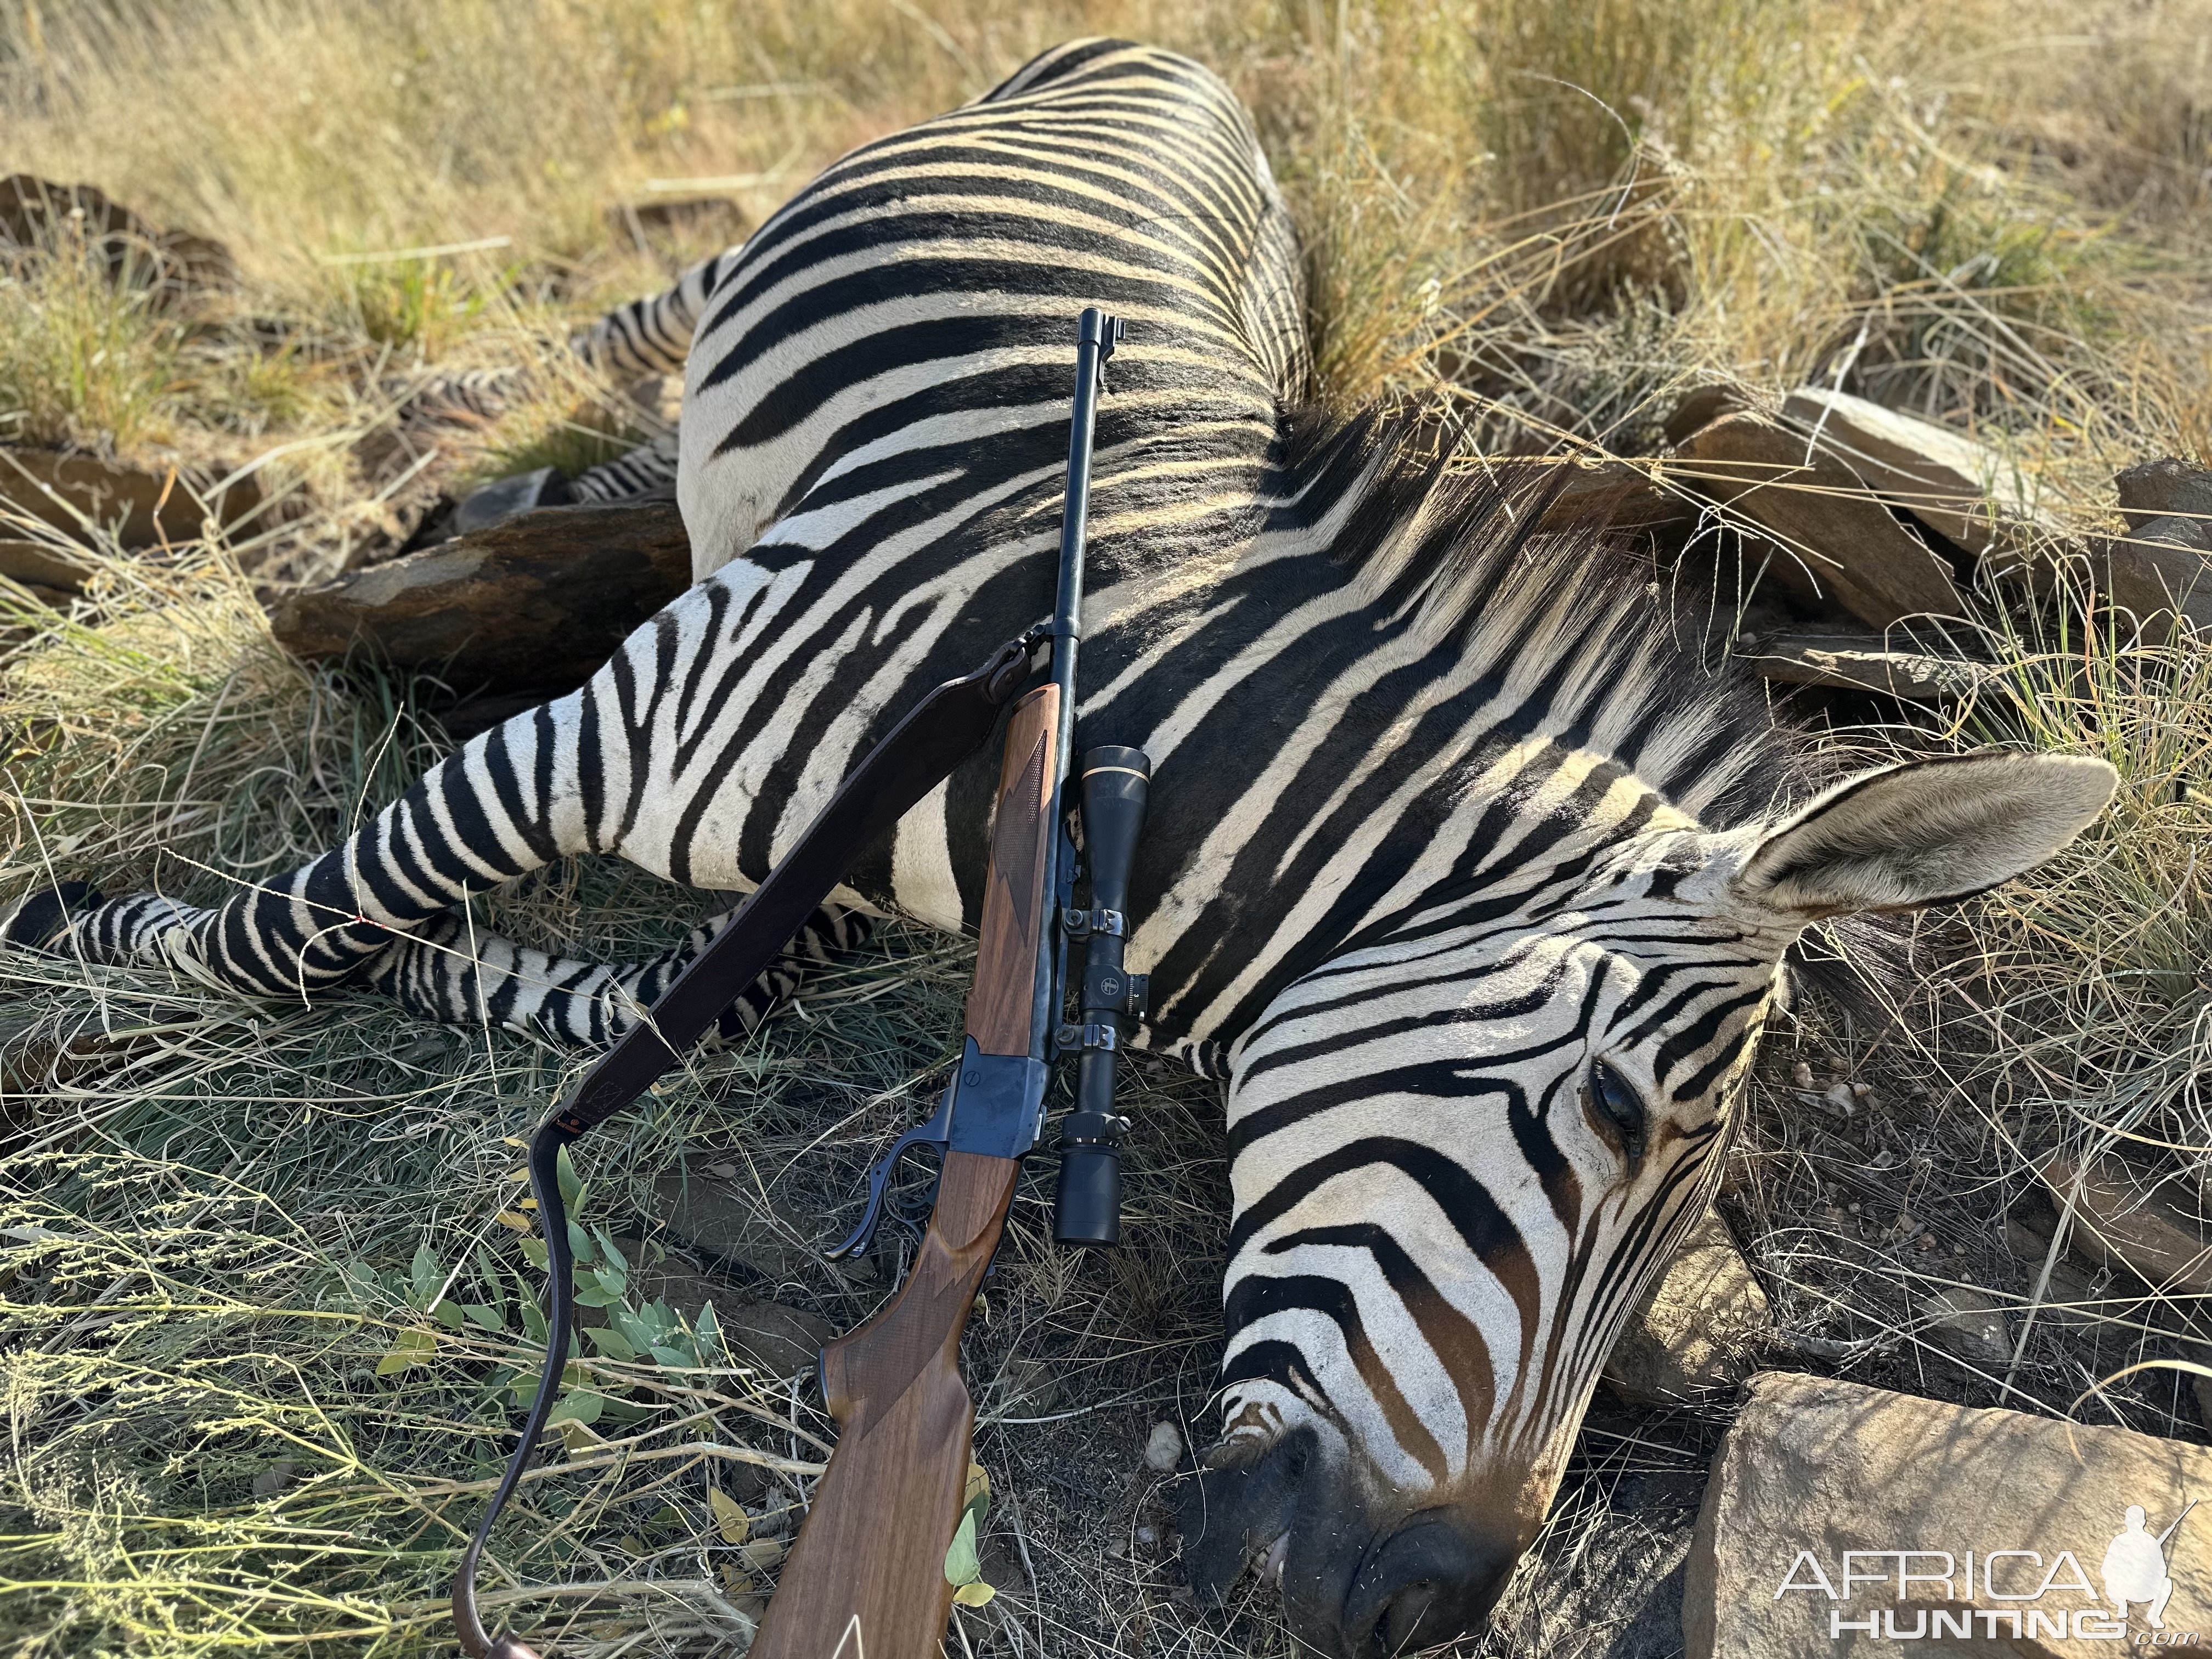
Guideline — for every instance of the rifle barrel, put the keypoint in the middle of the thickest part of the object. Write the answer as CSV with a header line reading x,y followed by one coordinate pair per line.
x,y
1096,335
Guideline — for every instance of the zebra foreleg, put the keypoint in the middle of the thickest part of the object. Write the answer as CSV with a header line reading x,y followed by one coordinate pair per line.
x,y
446,971
507,804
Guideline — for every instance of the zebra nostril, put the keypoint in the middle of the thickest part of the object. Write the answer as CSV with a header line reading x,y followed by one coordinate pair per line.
x,y
1428,1582
1403,1616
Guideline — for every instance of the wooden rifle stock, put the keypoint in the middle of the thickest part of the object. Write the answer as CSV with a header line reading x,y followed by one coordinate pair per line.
x,y
865,1579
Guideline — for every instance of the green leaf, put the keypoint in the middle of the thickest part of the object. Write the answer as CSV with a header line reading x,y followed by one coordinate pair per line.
x,y
579,1244
976,1501
961,1564
664,1355
709,1332
484,1318
425,1273
534,1251
581,1407
410,1348
571,1183
598,1299
614,1257
533,1324
448,1313
976,1593
612,1343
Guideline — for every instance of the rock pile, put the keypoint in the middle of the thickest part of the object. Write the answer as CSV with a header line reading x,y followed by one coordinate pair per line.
x,y
2162,564
1863,516
140,506
1865,530
1830,539
2118,1222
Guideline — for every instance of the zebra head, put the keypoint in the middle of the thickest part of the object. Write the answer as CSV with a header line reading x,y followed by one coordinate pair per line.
x,y
1461,1154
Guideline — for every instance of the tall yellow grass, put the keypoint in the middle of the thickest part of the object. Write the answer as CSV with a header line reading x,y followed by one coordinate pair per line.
x,y
1994,212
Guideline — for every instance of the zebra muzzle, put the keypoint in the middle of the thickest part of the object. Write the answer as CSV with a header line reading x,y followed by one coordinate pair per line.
x,y
1355,1585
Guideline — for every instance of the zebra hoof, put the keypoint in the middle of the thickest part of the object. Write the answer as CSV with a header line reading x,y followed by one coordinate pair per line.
x,y
42,916
505,497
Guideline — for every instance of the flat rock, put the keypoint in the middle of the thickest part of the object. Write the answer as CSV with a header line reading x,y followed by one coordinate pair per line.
x,y
728,1223
2165,488
1955,485
1614,496
2118,1222
1702,405
2163,567
1863,662
42,565
2077,1292
1838,542
142,507
1699,1330
1814,1467
534,604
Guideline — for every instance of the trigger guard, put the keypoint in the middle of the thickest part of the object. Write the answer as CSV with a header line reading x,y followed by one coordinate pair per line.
x,y
880,1200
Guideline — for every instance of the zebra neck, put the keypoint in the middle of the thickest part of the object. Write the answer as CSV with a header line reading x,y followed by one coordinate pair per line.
x,y
1397,706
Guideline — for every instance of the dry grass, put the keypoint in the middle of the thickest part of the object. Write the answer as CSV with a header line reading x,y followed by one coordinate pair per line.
x,y
1547,218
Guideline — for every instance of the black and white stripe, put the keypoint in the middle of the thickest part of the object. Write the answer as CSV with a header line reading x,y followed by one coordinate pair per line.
x,y
645,472
1440,837
653,336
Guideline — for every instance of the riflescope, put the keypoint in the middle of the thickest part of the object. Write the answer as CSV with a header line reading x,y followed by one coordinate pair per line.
x,y
1088,1207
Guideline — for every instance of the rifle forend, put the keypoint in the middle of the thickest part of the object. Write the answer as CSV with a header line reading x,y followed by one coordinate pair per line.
x,y
867,1578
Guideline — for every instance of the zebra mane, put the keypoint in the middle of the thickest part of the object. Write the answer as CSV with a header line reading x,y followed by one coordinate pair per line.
x,y
1567,617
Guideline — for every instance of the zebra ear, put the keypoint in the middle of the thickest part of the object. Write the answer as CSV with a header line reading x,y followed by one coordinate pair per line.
x,y
1923,833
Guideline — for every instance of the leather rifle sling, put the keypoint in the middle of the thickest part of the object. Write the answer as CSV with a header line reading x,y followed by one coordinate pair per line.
x,y
940,732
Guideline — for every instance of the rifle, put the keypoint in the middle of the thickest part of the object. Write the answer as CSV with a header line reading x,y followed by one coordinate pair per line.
x,y
866,1577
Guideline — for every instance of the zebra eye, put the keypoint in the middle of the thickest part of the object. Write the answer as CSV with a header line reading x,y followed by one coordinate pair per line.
x,y
1619,1105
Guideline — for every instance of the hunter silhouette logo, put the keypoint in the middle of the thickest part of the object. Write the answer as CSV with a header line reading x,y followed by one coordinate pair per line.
x,y
1933,1594
2135,1567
